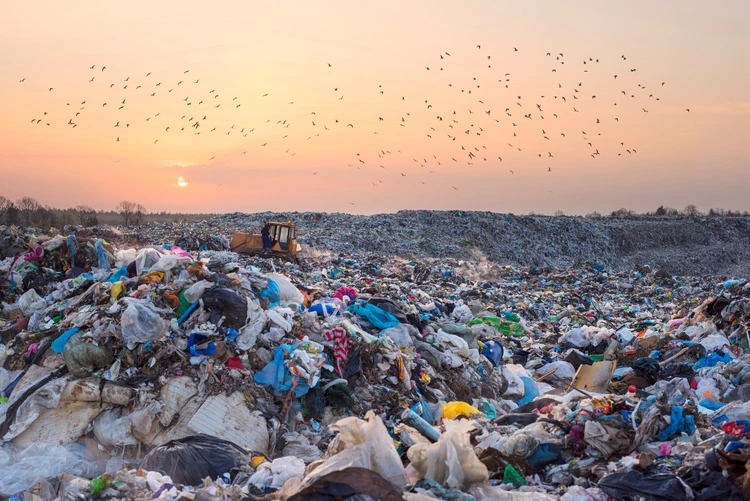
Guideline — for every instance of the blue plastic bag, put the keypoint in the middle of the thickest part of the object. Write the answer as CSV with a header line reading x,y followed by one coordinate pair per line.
x,y
119,274
678,424
375,315
712,359
197,339
272,293
59,343
531,391
276,374
101,254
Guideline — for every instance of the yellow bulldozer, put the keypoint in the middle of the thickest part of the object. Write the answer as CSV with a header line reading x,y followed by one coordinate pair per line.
x,y
283,241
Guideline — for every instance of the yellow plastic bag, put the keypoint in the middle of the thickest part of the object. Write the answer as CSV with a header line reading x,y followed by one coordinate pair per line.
x,y
116,290
452,410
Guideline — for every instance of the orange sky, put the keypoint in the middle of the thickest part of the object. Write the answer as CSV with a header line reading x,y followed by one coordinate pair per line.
x,y
246,49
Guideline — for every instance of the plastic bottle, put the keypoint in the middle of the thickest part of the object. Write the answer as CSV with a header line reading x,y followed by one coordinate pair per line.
x,y
420,424
611,352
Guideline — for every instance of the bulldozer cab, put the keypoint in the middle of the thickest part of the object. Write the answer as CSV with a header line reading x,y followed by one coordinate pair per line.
x,y
283,240
282,234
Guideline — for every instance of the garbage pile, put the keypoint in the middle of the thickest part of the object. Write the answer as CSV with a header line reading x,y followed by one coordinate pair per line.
x,y
679,245
169,371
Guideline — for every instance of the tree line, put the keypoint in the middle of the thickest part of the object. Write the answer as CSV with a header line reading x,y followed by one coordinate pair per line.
x,y
27,211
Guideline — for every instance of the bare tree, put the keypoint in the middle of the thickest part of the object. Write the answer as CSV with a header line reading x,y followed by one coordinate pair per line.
x,y
691,210
28,206
83,213
5,204
126,210
132,213
139,214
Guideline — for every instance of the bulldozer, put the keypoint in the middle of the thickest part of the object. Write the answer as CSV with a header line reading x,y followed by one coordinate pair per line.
x,y
283,241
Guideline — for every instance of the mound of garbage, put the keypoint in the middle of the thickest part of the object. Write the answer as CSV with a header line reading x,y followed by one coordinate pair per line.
x,y
181,370
679,245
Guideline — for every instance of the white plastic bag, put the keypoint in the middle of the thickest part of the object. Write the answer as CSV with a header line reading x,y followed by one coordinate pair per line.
x,y
368,445
288,293
195,291
279,319
31,302
276,473
112,428
401,335
142,322
125,256
256,321
450,461
22,470
299,446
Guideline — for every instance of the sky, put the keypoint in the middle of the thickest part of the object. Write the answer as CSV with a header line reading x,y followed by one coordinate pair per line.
x,y
371,107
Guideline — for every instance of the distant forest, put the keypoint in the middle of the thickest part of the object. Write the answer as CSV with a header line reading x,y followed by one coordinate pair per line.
x,y
28,211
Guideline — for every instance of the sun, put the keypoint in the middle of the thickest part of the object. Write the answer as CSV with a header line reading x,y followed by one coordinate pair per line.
x,y
181,182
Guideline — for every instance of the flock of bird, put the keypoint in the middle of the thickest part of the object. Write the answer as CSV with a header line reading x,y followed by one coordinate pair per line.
x,y
485,119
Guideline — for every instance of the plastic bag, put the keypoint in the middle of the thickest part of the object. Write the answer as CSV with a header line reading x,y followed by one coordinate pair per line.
x,y
451,461
350,483
254,324
112,428
166,263
368,445
142,322
375,315
530,390
401,335
279,319
22,470
124,257
83,356
31,302
46,397
634,484
226,303
195,291
288,293
277,375
299,446
145,259
274,474
271,292
189,460
452,410
563,371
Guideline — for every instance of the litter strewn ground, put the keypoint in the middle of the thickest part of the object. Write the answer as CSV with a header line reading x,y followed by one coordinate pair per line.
x,y
173,368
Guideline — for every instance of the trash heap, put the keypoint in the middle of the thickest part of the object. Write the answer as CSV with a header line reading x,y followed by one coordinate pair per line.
x,y
189,372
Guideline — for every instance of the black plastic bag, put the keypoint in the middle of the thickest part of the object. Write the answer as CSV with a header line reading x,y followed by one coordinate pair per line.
x,y
189,460
227,303
632,483
647,368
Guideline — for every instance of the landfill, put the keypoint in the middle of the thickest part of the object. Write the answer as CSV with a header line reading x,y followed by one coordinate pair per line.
x,y
161,365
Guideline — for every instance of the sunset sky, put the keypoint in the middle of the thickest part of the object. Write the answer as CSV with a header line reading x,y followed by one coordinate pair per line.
x,y
289,77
